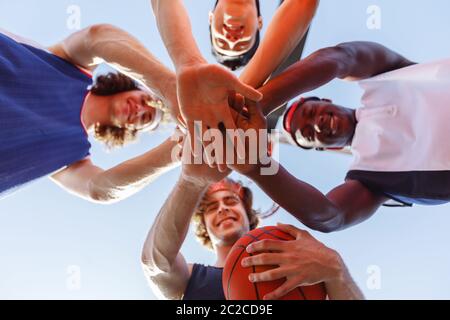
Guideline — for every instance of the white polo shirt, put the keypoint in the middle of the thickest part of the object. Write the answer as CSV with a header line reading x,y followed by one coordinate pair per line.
x,y
404,122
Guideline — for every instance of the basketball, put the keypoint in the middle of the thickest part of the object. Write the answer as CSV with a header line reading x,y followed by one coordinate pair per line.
x,y
236,284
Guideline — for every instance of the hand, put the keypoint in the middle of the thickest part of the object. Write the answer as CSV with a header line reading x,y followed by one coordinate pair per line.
x,y
251,121
203,91
170,100
303,261
197,171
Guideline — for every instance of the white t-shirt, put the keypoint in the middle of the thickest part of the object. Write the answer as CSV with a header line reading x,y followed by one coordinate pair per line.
x,y
404,124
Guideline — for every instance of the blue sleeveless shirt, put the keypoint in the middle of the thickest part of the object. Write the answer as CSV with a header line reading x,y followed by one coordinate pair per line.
x,y
41,96
205,283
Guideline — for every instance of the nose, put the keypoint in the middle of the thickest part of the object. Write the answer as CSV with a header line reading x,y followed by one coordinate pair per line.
x,y
222,209
233,33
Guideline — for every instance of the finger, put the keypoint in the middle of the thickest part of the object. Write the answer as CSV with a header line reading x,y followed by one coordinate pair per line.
x,y
207,144
281,291
247,91
220,145
254,110
181,122
269,275
187,154
263,259
266,245
195,140
237,102
293,231
234,140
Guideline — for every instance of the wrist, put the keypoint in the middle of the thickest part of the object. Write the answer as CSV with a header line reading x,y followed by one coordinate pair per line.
x,y
189,62
254,172
339,272
193,182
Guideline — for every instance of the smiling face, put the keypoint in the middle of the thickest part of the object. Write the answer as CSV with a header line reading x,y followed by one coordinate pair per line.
x,y
234,25
130,110
225,218
321,124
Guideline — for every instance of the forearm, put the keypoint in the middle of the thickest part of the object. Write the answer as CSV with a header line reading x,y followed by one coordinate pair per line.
x,y
176,32
343,287
120,49
306,75
285,31
303,201
170,228
133,175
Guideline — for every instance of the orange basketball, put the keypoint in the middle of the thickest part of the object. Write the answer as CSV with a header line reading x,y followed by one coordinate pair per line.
x,y
236,285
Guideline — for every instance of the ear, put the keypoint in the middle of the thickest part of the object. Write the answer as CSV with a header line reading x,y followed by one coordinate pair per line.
x,y
260,23
210,17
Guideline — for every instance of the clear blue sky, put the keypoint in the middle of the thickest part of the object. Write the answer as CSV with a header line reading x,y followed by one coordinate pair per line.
x,y
44,230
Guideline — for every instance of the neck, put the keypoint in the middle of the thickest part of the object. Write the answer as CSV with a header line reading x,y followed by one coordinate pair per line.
x,y
222,254
93,111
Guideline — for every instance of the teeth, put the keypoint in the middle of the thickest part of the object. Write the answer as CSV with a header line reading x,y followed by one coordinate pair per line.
x,y
316,127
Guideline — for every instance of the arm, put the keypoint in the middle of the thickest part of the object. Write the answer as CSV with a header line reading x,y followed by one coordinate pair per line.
x,y
103,42
173,21
203,88
164,265
108,186
346,205
287,28
351,61
303,261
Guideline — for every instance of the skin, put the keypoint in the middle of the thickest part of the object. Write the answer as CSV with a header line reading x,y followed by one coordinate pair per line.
x,y
302,262
351,61
351,202
106,43
164,265
234,25
200,86
322,124
124,110
284,32
225,219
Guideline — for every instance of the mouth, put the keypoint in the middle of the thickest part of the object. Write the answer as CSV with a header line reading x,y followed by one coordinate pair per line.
x,y
131,112
228,219
330,125
333,124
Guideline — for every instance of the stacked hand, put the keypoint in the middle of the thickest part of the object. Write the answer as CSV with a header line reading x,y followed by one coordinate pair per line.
x,y
203,95
196,170
251,120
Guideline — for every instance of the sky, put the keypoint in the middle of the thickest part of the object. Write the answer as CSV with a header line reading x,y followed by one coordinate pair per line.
x,y
56,246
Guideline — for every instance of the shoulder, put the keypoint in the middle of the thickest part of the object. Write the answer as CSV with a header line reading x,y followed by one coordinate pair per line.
x,y
22,40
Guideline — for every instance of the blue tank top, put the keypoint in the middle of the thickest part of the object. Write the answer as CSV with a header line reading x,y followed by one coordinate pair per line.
x,y
205,283
41,96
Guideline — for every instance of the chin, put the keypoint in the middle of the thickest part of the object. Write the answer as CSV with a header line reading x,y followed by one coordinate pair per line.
x,y
232,234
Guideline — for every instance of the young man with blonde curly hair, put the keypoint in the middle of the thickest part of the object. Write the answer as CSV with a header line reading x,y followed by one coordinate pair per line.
x,y
222,210
49,104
